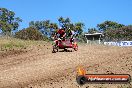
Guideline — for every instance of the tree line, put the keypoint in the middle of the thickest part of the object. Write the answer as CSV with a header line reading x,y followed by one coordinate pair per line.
x,y
113,31
8,21
45,29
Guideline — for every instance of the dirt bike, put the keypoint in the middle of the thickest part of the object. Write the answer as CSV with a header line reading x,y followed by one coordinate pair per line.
x,y
64,44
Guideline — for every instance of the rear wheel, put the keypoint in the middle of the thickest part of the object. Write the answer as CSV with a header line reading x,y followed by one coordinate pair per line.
x,y
55,49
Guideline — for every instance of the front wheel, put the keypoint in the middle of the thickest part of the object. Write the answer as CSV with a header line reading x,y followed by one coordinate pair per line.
x,y
75,46
55,49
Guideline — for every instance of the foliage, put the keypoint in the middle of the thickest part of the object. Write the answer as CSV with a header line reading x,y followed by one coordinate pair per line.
x,y
113,31
29,34
7,44
46,27
109,25
8,21
120,34
81,38
65,23
92,30
68,25
79,27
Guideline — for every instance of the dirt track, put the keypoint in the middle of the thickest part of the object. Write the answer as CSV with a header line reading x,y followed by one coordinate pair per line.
x,y
38,67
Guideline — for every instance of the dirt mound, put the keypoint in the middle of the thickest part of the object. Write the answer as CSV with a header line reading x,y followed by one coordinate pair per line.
x,y
40,68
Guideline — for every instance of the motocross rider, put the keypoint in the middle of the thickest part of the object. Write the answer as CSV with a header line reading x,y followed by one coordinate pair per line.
x,y
72,35
61,34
